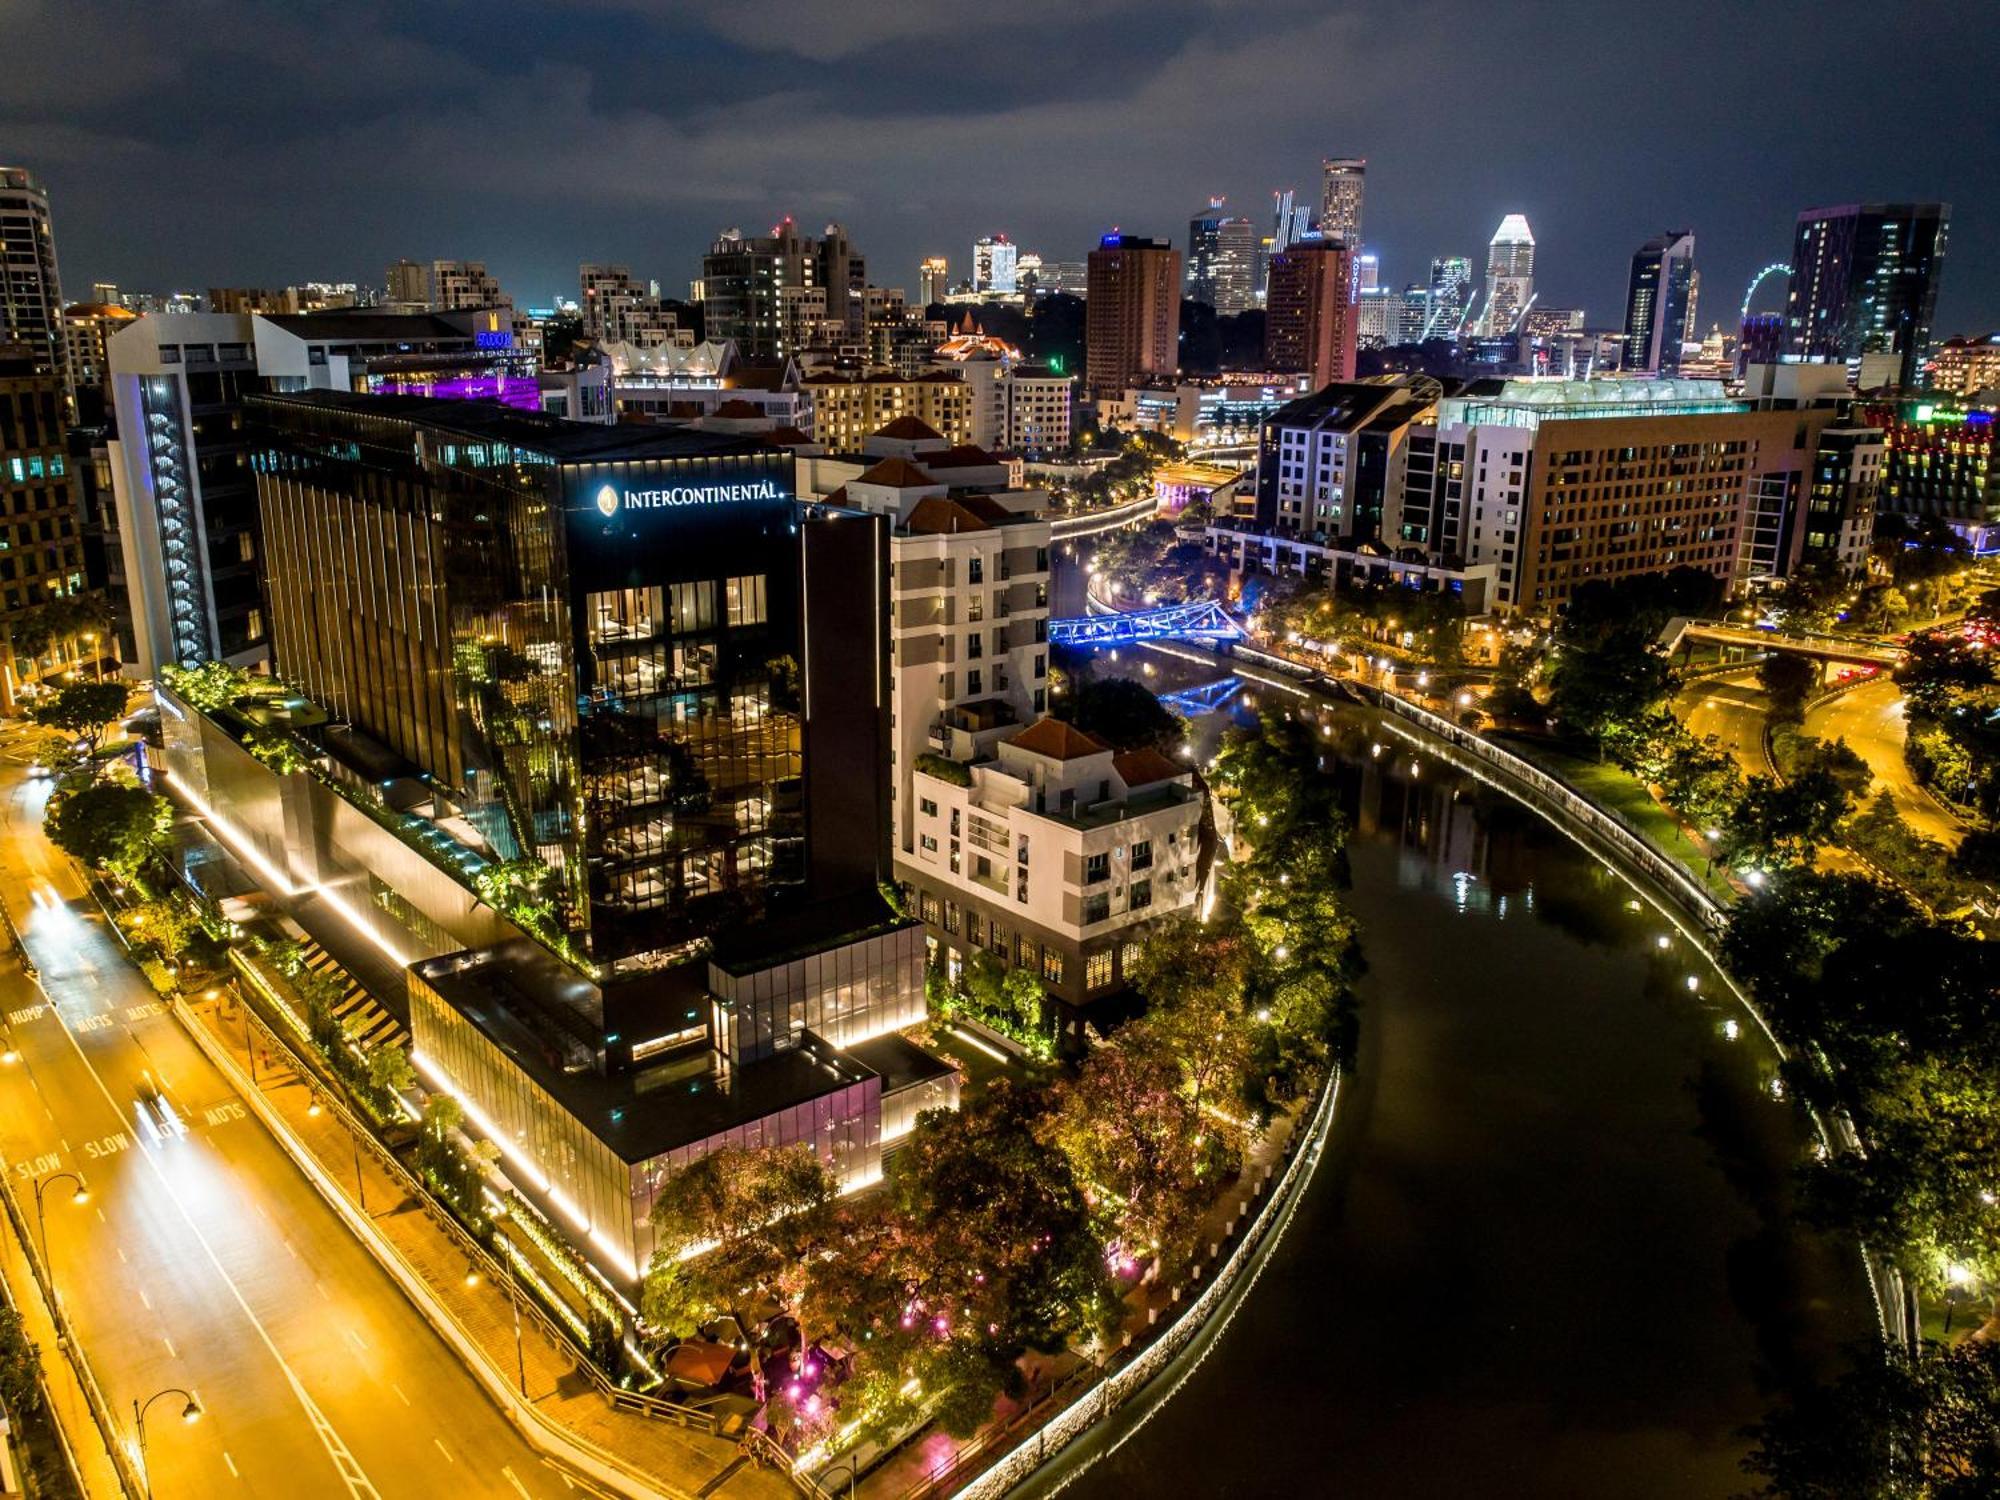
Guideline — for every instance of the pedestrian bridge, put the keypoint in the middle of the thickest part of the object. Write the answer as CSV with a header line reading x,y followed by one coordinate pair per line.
x,y
1192,703
1206,621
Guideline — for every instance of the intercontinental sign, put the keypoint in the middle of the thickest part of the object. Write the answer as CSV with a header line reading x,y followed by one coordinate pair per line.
x,y
611,498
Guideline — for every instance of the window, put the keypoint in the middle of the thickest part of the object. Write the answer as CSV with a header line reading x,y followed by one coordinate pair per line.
x,y
1096,909
745,596
974,928
1052,965
1128,957
1142,894
1097,970
927,907
1142,855
926,843
927,806
1096,867
975,570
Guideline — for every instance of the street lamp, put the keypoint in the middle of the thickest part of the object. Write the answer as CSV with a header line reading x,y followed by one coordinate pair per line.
x,y
42,1185
1957,1279
190,1414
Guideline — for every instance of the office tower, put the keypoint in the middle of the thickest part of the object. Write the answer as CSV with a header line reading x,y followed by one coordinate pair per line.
x,y
43,557
993,265
1367,271
1070,277
106,291
409,286
933,280
1132,333
1378,317
460,284
1222,255
1864,285
619,310
1414,317
186,505
30,290
1691,329
1290,221
1451,284
1341,183
767,292
1656,302
1309,313
1510,275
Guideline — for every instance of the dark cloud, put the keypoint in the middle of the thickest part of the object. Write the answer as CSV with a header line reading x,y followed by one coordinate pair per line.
x,y
197,142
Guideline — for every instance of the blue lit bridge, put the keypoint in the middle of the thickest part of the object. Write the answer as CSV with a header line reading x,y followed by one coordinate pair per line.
x,y
1192,703
1206,621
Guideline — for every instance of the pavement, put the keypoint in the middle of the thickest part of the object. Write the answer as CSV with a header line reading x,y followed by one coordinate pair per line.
x,y
203,1259
1870,719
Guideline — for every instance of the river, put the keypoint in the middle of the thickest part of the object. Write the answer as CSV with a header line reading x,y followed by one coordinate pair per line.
x,y
1549,1251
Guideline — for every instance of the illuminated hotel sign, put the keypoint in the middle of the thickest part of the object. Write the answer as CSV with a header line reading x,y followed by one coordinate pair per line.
x,y
612,498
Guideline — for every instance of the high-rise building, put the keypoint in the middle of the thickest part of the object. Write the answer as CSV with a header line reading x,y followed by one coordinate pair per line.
x,y
1222,260
1378,318
767,292
44,551
1451,285
1331,463
409,286
1864,287
1342,180
459,284
1657,301
1291,221
87,328
30,290
186,504
1967,365
993,265
1414,316
619,310
1510,275
933,280
1309,314
1132,333
1367,271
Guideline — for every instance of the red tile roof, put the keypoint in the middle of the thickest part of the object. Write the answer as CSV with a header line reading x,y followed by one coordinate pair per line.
x,y
962,456
1144,766
738,408
786,437
934,514
897,474
1057,740
910,429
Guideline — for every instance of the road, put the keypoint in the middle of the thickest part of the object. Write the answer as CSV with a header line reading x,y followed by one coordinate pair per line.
x,y
1870,719
1732,708
203,1259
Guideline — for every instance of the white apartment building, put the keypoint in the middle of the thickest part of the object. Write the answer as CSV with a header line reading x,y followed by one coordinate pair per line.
x,y
619,310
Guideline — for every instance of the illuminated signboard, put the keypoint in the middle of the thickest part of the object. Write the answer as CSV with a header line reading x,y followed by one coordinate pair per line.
x,y
492,338
613,498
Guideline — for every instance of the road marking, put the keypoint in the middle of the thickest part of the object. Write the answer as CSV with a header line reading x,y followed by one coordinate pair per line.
x,y
444,1450
232,1464
399,1393
172,1352
343,1460
355,1338
321,1286
121,1254
519,1488
100,1217
145,1299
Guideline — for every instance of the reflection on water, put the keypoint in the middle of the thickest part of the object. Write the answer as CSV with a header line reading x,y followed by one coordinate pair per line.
x,y
1549,1252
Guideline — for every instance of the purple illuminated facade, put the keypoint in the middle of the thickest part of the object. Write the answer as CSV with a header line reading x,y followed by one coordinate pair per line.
x,y
522,392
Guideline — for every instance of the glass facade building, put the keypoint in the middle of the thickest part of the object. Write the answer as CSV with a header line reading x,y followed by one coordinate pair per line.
x,y
1865,282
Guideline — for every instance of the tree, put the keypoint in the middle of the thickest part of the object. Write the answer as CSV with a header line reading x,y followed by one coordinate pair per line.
x,y
1596,688
167,927
1783,824
110,826
729,1226
212,685
1788,681
20,1366
389,1070
1124,714
82,710
1896,1426
1936,668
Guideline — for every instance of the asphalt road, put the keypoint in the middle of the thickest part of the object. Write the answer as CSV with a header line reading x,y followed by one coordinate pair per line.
x,y
1870,719
203,1259
1731,707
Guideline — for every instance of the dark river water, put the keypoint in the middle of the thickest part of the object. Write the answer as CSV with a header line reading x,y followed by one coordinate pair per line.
x,y
1549,1251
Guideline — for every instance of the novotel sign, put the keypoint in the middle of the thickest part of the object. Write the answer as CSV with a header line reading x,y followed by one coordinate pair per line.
x,y
613,498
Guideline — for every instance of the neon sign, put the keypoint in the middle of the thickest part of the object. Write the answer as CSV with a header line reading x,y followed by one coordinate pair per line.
x,y
611,498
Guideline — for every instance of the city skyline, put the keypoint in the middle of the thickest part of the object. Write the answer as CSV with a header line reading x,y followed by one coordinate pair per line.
x,y
265,176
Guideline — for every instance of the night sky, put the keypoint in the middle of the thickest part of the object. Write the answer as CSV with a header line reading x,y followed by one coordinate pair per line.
x,y
189,143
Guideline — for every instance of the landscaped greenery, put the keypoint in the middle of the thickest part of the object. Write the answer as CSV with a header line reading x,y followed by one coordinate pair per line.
x,y
110,825
82,711
1015,1223
943,768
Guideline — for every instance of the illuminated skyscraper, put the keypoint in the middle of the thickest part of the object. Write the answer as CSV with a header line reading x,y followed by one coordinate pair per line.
x,y
1864,285
993,264
933,280
1133,330
1342,181
1310,320
1657,302
1222,255
1451,281
1510,275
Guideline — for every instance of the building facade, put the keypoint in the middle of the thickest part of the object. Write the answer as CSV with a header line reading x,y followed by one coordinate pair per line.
x,y
1450,286
1658,303
766,293
848,407
619,310
993,265
1310,325
933,280
1343,181
1864,287
1967,365
1222,260
1331,464
30,287
1132,333
41,550
1510,275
